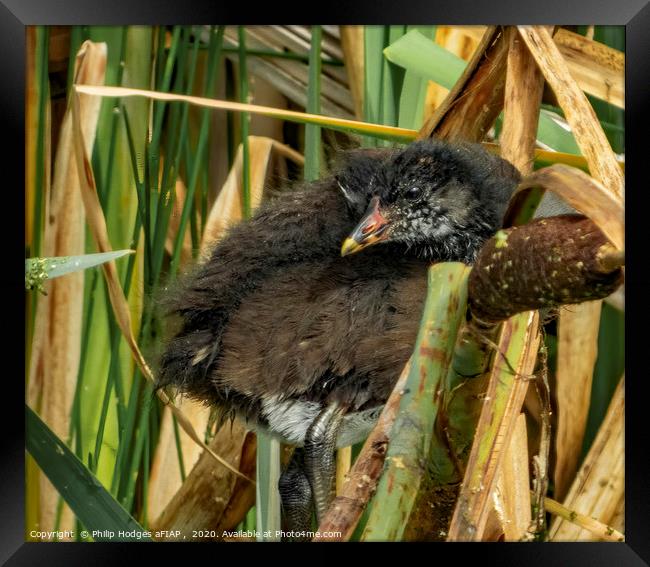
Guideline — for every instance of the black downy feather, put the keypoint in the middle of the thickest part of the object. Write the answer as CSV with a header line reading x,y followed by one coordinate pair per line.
x,y
277,280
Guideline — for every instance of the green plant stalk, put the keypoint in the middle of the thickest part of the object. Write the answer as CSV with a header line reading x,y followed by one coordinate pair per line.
x,y
412,432
114,379
250,521
267,497
108,389
413,95
141,435
204,199
105,181
200,152
163,85
91,503
179,449
312,131
42,86
148,443
373,77
166,203
392,78
123,450
245,125
173,127
151,179
161,51
125,417
458,414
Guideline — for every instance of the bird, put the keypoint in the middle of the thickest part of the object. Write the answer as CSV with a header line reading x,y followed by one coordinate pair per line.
x,y
302,317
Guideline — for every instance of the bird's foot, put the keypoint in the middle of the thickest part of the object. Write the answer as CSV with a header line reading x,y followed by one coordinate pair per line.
x,y
296,498
320,456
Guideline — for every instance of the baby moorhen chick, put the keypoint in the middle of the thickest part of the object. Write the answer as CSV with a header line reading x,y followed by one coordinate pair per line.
x,y
287,326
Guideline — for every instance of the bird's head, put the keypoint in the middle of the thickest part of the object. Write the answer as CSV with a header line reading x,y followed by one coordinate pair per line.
x,y
440,201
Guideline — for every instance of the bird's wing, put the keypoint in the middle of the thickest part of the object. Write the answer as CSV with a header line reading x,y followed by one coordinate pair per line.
x,y
342,329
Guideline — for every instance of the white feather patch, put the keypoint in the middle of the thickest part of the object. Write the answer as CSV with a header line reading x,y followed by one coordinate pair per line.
x,y
289,420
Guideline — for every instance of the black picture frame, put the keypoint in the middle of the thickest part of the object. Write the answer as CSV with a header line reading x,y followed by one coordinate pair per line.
x,y
15,15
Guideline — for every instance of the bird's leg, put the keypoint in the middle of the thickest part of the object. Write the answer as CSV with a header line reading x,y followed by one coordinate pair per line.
x,y
320,457
296,498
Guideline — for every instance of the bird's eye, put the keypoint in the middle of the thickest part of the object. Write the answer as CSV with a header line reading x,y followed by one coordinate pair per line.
x,y
413,193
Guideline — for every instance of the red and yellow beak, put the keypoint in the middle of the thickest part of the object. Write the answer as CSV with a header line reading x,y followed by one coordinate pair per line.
x,y
370,230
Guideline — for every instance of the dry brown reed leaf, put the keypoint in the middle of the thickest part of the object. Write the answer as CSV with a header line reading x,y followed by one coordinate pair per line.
x,y
475,100
502,405
598,69
204,496
242,107
599,485
353,55
579,114
583,193
576,358
174,222
522,98
343,466
583,326
228,207
512,494
461,41
54,363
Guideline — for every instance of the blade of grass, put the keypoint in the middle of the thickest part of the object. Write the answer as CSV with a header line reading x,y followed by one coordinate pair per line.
x,y
93,505
373,38
244,125
200,153
41,87
392,80
420,55
39,269
312,131
414,92
129,64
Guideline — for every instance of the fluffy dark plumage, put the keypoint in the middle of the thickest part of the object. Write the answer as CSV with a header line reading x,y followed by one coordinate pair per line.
x,y
276,311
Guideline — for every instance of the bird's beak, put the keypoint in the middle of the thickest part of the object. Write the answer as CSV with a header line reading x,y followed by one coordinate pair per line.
x,y
370,230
